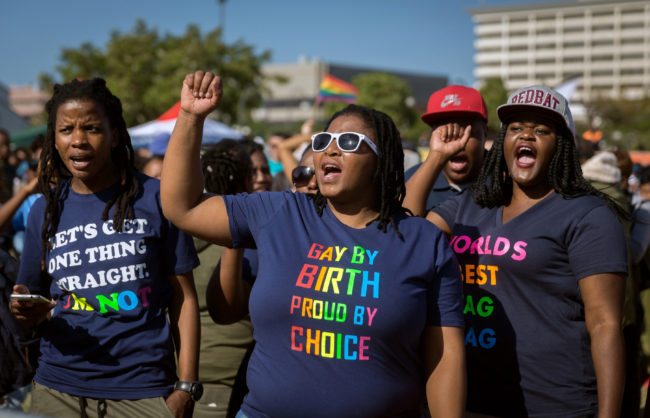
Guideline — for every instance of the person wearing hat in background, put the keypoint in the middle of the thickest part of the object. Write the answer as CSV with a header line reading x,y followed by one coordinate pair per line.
x,y
464,106
544,262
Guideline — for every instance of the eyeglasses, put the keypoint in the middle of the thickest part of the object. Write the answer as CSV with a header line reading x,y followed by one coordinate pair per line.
x,y
346,141
301,175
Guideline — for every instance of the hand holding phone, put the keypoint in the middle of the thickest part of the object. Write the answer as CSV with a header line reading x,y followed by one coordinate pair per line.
x,y
30,309
29,297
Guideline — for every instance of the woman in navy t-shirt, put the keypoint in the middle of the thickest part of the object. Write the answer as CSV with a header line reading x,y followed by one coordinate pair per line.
x,y
119,274
356,308
543,261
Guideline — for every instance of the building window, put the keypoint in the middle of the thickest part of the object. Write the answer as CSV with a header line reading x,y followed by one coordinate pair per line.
x,y
632,71
518,33
574,29
573,59
602,42
542,61
573,44
518,48
632,25
602,28
632,12
518,19
631,57
602,13
602,73
631,41
545,46
546,31
602,58
516,63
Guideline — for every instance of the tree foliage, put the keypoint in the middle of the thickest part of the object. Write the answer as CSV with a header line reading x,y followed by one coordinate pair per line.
x,y
145,69
626,122
495,94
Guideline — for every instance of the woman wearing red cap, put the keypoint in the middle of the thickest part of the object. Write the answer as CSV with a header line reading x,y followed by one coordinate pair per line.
x,y
543,261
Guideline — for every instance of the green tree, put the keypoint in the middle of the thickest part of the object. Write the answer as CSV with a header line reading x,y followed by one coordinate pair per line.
x,y
495,94
624,122
145,70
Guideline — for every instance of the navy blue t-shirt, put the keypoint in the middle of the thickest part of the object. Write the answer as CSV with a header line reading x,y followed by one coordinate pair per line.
x,y
338,313
528,350
109,337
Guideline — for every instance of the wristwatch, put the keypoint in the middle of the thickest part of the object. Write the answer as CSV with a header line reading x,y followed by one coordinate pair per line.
x,y
195,389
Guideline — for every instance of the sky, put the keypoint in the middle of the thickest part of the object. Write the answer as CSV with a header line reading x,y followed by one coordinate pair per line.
x,y
431,37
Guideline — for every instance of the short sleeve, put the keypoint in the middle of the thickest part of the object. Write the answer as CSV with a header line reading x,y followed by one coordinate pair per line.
x,y
596,244
30,260
449,209
247,213
446,292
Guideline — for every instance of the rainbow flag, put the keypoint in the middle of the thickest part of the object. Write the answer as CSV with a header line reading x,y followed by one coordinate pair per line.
x,y
333,89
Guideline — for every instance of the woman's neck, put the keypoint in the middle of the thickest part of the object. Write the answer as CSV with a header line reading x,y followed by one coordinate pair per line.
x,y
353,215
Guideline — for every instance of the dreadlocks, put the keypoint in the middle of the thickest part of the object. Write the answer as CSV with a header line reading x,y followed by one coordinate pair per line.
x,y
389,176
51,180
226,168
494,186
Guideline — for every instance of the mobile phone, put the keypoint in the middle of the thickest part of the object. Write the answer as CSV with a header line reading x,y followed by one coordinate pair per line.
x,y
30,297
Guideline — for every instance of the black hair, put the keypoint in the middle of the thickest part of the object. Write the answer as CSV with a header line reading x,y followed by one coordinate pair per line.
x,y
54,173
644,175
389,175
37,143
494,185
226,168
251,147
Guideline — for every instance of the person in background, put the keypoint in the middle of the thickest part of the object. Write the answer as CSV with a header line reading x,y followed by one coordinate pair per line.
x,y
117,274
262,178
227,170
7,170
544,264
406,339
463,106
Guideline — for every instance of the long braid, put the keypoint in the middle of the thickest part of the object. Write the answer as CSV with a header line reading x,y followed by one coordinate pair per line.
x,y
494,186
54,173
389,175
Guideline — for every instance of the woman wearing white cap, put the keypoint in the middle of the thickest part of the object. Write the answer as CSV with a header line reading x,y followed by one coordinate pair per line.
x,y
543,261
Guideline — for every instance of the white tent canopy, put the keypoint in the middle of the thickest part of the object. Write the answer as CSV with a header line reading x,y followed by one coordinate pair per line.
x,y
143,135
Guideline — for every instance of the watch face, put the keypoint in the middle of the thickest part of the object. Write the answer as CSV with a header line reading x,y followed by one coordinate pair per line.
x,y
197,391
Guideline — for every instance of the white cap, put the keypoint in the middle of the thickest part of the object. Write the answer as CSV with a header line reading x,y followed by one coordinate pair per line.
x,y
536,99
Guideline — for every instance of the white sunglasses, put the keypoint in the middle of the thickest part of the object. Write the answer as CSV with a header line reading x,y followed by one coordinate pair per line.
x,y
346,141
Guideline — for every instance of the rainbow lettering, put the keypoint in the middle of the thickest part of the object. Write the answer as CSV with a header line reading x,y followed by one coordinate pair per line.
x,y
324,275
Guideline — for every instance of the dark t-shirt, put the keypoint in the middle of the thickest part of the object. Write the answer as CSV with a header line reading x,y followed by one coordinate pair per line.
x,y
528,350
338,313
109,337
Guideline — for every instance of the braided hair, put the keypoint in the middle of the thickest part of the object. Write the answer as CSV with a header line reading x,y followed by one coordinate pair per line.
x,y
389,175
54,173
226,168
494,185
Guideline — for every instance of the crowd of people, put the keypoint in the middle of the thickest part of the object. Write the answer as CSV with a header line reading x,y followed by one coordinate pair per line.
x,y
323,275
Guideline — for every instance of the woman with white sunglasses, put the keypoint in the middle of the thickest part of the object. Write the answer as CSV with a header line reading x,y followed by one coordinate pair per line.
x,y
357,306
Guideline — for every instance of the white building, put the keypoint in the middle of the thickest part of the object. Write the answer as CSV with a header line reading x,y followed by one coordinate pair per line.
x,y
606,43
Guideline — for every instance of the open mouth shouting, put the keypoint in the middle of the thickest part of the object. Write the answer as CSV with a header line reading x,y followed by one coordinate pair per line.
x,y
331,171
525,155
80,162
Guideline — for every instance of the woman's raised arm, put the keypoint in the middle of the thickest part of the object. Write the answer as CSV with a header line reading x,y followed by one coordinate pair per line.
x,y
181,188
